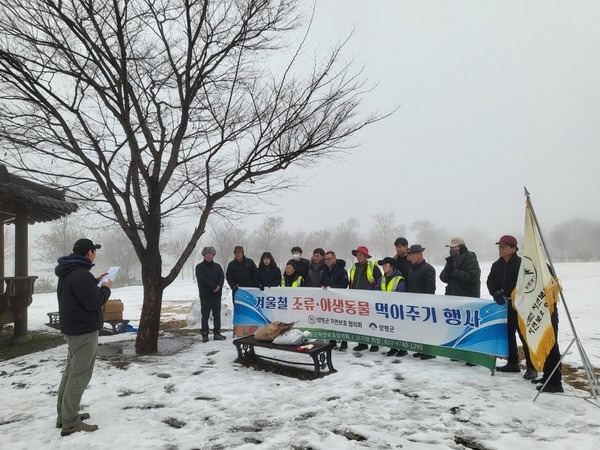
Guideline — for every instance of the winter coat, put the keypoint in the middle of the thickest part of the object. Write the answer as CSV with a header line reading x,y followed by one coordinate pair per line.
x,y
209,275
336,276
421,278
385,280
315,271
241,273
302,267
463,275
288,280
504,274
80,299
268,276
360,277
402,264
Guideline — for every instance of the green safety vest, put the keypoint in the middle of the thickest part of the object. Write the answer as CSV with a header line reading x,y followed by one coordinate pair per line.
x,y
294,284
370,278
392,284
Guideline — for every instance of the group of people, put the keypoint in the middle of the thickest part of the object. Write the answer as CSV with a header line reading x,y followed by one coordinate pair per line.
x,y
406,271
81,297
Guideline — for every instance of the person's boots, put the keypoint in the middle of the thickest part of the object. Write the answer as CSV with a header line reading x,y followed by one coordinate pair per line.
x,y
81,426
205,336
343,345
530,374
360,347
391,352
218,336
509,367
374,348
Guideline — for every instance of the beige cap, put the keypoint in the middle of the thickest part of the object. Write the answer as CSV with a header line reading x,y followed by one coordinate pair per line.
x,y
455,242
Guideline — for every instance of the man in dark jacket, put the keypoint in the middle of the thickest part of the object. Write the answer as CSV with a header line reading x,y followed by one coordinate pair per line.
x,y
334,275
316,267
401,256
80,303
461,273
302,264
501,282
241,272
420,279
210,278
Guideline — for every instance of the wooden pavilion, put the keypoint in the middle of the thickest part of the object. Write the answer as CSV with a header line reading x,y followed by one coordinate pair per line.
x,y
23,202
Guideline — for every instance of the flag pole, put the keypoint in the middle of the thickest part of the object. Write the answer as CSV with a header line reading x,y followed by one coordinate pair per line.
x,y
591,376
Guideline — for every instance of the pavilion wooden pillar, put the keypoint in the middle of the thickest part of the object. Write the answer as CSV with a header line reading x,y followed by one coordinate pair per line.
x,y
21,269
2,331
1,256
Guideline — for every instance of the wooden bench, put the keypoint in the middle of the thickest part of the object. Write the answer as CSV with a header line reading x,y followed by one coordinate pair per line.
x,y
118,326
53,318
320,353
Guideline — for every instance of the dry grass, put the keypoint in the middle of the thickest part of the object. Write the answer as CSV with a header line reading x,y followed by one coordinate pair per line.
x,y
40,340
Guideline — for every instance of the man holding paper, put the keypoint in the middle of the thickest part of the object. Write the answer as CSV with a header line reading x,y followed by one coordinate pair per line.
x,y
80,303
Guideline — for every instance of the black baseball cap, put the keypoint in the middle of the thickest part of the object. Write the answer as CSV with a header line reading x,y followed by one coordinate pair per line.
x,y
82,246
387,260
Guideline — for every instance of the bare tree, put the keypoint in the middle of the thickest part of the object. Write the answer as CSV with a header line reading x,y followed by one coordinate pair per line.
x,y
59,240
118,251
153,110
269,235
345,238
433,239
576,240
384,233
224,237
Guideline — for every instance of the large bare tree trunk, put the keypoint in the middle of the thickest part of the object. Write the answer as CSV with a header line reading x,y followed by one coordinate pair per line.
x,y
147,338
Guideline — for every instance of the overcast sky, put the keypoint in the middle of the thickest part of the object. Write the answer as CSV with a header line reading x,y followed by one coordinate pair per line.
x,y
494,95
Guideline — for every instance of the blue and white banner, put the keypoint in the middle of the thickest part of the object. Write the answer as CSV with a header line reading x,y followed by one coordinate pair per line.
x,y
394,319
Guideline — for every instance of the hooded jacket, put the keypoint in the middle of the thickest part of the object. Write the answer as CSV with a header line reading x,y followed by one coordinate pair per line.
x,y
463,275
79,298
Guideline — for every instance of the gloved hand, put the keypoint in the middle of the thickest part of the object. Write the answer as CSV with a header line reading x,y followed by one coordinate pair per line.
x,y
449,265
499,296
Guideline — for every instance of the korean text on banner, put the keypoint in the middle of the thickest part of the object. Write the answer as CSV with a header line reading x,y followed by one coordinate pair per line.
x,y
536,295
394,319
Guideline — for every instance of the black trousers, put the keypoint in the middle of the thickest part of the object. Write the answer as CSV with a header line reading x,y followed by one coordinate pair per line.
x,y
208,305
513,329
554,356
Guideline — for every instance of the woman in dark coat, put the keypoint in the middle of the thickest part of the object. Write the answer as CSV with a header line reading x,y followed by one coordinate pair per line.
x,y
268,274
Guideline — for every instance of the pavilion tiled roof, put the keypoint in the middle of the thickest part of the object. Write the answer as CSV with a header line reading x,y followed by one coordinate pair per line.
x,y
40,203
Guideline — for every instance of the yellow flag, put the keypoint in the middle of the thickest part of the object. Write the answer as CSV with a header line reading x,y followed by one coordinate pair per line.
x,y
536,295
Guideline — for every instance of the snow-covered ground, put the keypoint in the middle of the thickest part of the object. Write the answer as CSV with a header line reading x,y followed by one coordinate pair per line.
x,y
371,402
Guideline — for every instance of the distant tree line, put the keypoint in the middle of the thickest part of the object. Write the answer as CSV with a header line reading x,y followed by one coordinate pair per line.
x,y
576,240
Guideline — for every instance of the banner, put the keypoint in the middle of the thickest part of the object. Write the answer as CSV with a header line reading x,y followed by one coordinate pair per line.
x,y
536,295
464,328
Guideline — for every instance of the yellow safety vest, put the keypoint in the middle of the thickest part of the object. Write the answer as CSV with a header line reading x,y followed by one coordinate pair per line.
x,y
294,284
392,284
370,278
